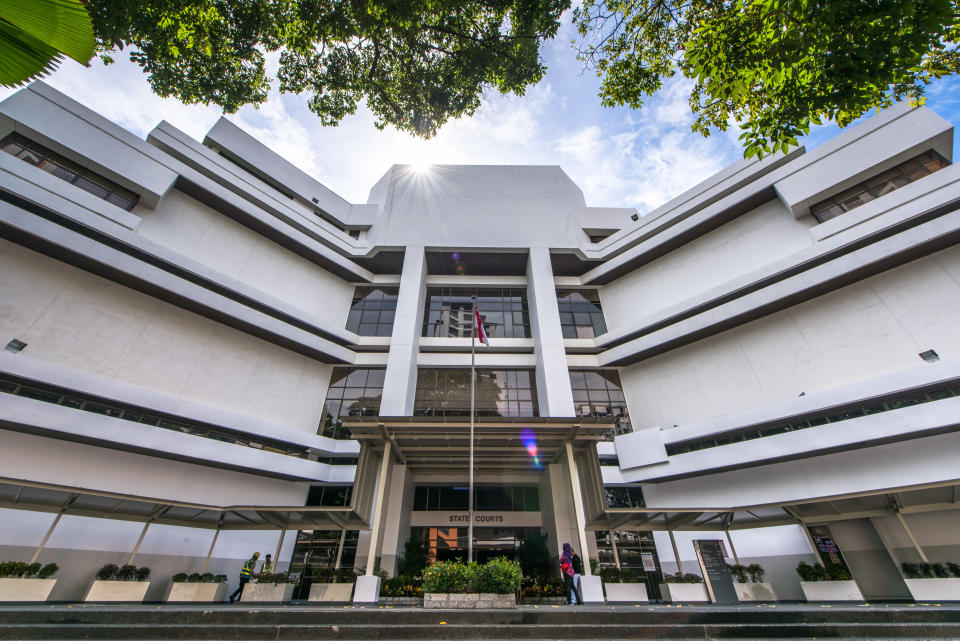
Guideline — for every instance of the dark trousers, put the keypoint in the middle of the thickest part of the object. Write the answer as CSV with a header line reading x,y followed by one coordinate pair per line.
x,y
236,595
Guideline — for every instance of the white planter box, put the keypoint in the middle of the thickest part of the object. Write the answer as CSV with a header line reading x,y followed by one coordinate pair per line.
x,y
626,592
684,592
26,589
124,591
930,589
831,591
338,592
755,591
196,592
469,601
267,592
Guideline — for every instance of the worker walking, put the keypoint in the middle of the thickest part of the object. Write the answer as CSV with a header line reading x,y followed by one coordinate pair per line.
x,y
245,573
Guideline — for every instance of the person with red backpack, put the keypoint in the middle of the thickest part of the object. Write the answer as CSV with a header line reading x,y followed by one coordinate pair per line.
x,y
566,569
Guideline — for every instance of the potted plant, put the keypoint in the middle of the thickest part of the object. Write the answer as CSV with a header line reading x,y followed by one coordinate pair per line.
x,y
933,581
831,583
623,586
681,588
197,588
333,585
127,583
748,582
270,588
454,584
21,581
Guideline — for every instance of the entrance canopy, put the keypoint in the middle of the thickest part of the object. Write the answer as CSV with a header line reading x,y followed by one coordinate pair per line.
x,y
43,497
501,445
881,503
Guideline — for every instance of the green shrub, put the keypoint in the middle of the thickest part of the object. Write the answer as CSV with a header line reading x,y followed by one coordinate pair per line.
x,y
194,578
499,576
680,577
816,572
738,572
402,586
756,572
531,587
414,557
21,570
110,572
180,577
107,572
446,577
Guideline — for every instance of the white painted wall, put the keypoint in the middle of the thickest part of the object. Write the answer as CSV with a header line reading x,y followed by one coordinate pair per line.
x,y
74,319
864,330
206,236
749,242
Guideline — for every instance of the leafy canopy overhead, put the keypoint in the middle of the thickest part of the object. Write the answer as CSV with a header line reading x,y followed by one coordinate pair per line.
x,y
773,67
416,63
35,35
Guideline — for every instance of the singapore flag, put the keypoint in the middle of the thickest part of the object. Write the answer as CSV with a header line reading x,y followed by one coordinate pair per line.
x,y
481,331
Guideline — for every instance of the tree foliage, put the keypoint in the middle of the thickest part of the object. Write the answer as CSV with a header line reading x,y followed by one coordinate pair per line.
x,y
416,63
35,36
773,67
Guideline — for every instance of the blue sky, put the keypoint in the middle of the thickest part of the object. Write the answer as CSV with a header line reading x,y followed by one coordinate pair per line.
x,y
619,157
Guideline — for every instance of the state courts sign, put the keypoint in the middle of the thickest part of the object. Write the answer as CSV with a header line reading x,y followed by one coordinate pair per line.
x,y
480,519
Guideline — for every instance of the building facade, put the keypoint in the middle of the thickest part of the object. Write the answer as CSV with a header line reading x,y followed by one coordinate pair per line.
x,y
210,352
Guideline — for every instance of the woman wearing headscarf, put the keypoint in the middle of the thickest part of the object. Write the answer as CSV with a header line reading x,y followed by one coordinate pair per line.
x,y
566,569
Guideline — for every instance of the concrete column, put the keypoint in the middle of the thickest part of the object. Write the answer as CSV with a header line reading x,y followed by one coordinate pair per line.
x,y
553,380
276,554
216,535
46,537
400,384
676,553
913,539
396,519
367,589
136,548
591,586
733,550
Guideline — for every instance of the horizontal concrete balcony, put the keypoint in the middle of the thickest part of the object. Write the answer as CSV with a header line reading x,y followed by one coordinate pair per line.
x,y
55,421
124,257
21,366
802,276
639,461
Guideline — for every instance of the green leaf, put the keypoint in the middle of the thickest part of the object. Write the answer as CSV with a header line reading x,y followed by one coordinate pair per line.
x,y
36,34
61,24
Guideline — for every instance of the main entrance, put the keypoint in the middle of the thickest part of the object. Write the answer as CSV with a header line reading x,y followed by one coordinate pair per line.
x,y
447,543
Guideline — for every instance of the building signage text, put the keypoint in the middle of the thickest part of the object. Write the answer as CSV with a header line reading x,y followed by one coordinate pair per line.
x,y
477,518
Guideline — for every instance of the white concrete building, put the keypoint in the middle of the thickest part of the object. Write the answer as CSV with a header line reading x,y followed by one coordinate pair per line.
x,y
206,345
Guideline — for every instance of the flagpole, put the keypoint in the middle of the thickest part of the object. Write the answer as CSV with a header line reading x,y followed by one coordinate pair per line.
x,y
473,385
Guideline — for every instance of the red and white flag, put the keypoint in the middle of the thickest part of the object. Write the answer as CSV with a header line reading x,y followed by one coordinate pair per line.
x,y
481,331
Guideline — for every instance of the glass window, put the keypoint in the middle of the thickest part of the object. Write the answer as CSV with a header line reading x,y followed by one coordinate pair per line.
x,y
329,495
69,171
623,496
446,392
372,311
448,312
581,315
903,174
353,391
597,392
492,498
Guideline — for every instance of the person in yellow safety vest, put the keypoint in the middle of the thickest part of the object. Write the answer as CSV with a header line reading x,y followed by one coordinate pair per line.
x,y
267,566
245,573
